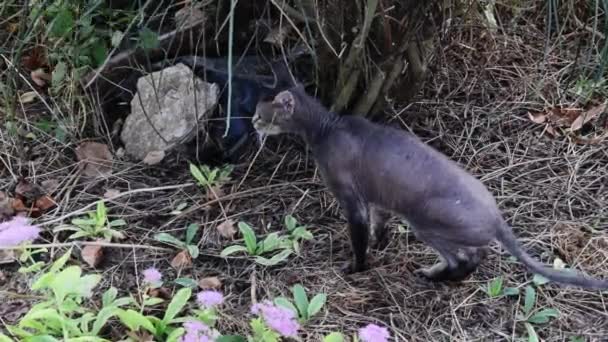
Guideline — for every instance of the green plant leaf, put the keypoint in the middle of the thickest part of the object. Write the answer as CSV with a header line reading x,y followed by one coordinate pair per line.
x,y
286,303
198,175
175,335
153,301
193,251
302,233
118,223
102,318
148,39
532,336
59,263
233,249
249,236
529,299
177,304
316,303
169,239
495,287
191,232
101,213
290,222
543,316
334,337
59,73
109,296
539,280
511,291
270,243
134,320
301,299
63,22
276,259
186,282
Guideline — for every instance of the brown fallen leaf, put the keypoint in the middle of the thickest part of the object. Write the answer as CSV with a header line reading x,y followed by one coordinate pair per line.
x,y
40,77
587,116
35,58
18,205
96,159
44,203
181,260
537,117
209,283
226,229
28,191
92,255
159,292
154,157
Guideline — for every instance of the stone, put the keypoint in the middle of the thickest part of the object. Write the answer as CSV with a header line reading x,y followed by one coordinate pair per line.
x,y
165,110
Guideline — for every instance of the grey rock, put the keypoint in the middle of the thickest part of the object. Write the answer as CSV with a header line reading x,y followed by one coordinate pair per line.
x,y
165,110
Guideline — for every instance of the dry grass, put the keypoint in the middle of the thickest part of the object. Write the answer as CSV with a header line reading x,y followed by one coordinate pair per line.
x,y
474,109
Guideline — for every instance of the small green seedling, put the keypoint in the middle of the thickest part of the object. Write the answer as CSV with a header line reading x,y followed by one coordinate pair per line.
x,y
95,226
256,248
302,308
334,337
495,289
208,177
532,317
187,245
296,233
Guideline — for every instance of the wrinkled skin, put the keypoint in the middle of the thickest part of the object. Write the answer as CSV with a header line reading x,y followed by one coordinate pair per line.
x,y
375,171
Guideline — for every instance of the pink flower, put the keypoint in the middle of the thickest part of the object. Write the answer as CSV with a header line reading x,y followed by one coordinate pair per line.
x,y
209,299
152,275
16,231
373,333
279,319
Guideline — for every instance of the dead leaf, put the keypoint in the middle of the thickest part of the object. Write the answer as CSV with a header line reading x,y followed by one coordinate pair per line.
x,y
154,157
210,283
227,229
45,203
110,193
40,77
28,97
96,158
181,260
18,205
277,35
160,292
587,116
92,255
6,206
537,117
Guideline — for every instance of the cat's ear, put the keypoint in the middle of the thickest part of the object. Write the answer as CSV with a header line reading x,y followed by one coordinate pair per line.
x,y
286,100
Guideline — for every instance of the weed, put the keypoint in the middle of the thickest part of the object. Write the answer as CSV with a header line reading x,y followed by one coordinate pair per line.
x,y
256,248
96,225
304,308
